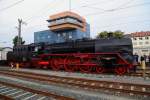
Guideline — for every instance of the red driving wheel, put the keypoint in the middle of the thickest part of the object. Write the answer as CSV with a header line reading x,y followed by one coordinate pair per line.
x,y
99,69
55,63
70,64
120,70
86,67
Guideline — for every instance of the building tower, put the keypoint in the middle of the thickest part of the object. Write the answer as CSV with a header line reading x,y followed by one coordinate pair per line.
x,y
63,27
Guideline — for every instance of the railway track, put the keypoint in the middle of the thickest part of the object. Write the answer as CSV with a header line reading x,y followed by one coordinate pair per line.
x,y
4,97
139,74
92,85
9,91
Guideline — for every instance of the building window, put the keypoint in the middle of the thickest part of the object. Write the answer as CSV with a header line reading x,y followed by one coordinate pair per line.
x,y
70,36
147,38
58,35
48,36
43,37
135,43
140,43
134,39
144,50
84,35
146,42
38,38
140,38
64,34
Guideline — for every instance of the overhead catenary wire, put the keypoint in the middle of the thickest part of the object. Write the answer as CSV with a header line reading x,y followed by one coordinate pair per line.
x,y
131,22
12,5
112,10
41,11
147,20
131,6
92,4
124,4
122,7
30,18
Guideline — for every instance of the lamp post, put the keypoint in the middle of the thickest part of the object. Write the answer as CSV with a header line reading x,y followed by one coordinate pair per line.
x,y
20,22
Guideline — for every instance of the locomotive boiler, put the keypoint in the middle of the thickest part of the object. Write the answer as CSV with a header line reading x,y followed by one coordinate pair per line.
x,y
84,55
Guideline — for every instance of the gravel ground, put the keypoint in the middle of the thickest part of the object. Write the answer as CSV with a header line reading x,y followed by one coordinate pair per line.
x,y
125,79
66,91
83,94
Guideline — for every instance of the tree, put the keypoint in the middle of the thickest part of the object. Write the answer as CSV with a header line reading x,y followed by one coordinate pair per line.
x,y
102,34
106,34
118,34
15,41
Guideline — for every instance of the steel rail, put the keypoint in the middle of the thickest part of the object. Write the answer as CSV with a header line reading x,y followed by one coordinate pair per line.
x,y
44,93
138,89
83,79
3,97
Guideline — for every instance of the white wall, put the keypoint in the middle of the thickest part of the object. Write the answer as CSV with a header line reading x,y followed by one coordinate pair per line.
x,y
141,47
3,53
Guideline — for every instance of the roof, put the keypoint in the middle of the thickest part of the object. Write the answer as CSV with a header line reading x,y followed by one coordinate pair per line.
x,y
140,34
127,35
66,13
3,48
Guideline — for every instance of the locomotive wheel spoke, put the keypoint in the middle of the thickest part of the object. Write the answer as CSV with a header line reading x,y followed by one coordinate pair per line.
x,y
70,64
120,70
86,68
99,69
55,64
69,68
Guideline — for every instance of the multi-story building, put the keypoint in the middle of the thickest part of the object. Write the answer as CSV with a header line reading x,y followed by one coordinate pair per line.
x,y
141,42
62,27
3,52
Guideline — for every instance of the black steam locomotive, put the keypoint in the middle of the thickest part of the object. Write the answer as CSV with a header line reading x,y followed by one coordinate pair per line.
x,y
85,55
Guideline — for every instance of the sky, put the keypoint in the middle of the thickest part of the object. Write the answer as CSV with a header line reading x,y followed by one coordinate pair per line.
x,y
110,15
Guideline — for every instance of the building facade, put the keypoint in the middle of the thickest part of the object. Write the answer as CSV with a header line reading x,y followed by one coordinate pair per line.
x,y
62,27
141,42
3,52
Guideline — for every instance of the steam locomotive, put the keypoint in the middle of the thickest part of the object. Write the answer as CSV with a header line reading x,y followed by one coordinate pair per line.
x,y
84,55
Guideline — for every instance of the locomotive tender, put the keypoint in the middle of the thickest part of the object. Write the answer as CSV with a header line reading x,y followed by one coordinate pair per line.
x,y
84,55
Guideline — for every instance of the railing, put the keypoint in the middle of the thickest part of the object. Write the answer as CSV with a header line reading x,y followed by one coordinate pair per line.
x,y
68,20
